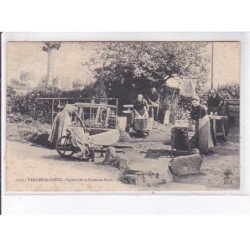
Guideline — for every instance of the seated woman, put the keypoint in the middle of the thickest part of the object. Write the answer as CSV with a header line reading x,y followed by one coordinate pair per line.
x,y
140,107
203,134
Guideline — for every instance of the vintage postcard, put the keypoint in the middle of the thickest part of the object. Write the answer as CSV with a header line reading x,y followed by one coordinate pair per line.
x,y
98,116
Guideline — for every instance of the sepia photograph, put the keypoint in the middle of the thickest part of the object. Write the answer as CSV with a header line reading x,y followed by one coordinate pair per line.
x,y
115,116
124,119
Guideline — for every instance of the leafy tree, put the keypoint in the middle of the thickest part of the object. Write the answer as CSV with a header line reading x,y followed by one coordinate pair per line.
x,y
124,69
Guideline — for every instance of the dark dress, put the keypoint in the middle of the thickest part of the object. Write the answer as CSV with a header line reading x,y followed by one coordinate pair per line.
x,y
198,113
154,97
213,104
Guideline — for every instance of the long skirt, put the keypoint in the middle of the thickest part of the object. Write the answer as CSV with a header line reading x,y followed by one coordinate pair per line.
x,y
61,122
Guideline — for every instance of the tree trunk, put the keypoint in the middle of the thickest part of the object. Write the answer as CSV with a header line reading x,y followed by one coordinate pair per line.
x,y
50,69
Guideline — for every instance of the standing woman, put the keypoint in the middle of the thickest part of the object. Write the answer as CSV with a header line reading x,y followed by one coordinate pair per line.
x,y
140,107
203,133
216,106
154,99
197,110
214,102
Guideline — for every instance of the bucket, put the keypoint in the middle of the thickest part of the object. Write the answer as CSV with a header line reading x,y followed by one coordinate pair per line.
x,y
122,123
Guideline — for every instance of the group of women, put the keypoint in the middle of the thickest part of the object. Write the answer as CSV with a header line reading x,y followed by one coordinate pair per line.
x,y
204,137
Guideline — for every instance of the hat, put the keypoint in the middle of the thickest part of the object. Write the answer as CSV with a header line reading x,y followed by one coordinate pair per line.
x,y
197,98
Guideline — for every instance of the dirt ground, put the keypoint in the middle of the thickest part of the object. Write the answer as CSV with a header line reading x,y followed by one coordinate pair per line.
x,y
34,168
224,156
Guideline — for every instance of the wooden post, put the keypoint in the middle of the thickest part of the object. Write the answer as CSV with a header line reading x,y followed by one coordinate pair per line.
x,y
214,124
107,117
49,67
82,114
90,115
97,115
212,67
52,112
116,113
153,112
172,141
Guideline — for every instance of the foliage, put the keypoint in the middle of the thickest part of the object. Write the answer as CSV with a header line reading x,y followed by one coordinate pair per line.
x,y
228,91
29,104
51,45
180,106
125,69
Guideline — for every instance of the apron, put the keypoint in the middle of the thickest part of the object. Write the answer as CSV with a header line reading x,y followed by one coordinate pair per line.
x,y
79,138
205,140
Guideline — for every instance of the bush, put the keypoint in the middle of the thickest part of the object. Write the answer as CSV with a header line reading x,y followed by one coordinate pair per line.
x,y
178,106
228,91
29,104
41,110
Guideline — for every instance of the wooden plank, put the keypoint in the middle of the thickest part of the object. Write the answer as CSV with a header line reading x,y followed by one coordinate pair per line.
x,y
97,114
52,98
106,138
52,111
94,105
128,105
217,117
107,117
